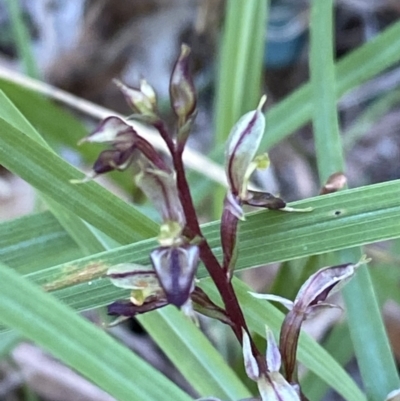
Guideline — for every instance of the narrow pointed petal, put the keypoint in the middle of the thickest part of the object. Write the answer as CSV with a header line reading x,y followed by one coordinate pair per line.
x,y
273,353
160,188
263,199
128,309
110,130
322,283
287,303
203,304
250,362
133,276
176,267
242,145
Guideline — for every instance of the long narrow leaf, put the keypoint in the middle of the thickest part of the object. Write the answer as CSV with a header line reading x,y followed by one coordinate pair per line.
x,y
366,325
58,329
362,64
188,348
28,159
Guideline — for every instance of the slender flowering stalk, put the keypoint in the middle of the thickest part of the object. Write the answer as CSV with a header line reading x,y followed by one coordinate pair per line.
x,y
170,276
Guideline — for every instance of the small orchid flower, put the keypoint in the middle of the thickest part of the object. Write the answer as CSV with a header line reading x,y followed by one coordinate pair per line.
x,y
271,384
310,299
175,267
127,146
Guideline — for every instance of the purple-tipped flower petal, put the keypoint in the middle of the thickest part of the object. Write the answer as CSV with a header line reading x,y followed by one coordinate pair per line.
x,y
250,362
203,304
175,267
271,384
273,354
128,309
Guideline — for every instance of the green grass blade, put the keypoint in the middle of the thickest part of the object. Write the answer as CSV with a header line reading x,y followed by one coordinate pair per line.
x,y
79,344
366,325
239,71
322,75
26,158
57,126
82,234
192,352
360,65
50,245
22,39
339,345
370,214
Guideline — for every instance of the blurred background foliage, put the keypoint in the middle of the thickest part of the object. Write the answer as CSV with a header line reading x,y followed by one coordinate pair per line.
x,y
238,53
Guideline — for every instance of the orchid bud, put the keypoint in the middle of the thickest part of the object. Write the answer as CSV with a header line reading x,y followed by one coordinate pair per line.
x,y
142,101
242,145
334,183
175,267
181,88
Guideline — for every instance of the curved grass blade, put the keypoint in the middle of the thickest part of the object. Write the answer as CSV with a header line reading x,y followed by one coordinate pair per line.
x,y
79,344
28,159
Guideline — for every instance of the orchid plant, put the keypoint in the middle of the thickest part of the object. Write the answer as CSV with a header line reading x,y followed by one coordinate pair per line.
x,y
170,276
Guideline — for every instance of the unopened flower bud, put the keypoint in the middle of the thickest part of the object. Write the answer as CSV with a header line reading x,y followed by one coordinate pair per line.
x,y
181,89
334,183
242,145
142,101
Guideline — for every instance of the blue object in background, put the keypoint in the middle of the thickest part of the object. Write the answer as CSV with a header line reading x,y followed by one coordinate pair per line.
x,y
286,34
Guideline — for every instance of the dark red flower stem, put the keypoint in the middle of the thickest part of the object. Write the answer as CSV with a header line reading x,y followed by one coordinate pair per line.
x,y
211,263
218,275
159,125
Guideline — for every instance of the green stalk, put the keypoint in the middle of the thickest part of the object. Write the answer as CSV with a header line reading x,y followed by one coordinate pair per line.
x,y
22,39
366,326
240,68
